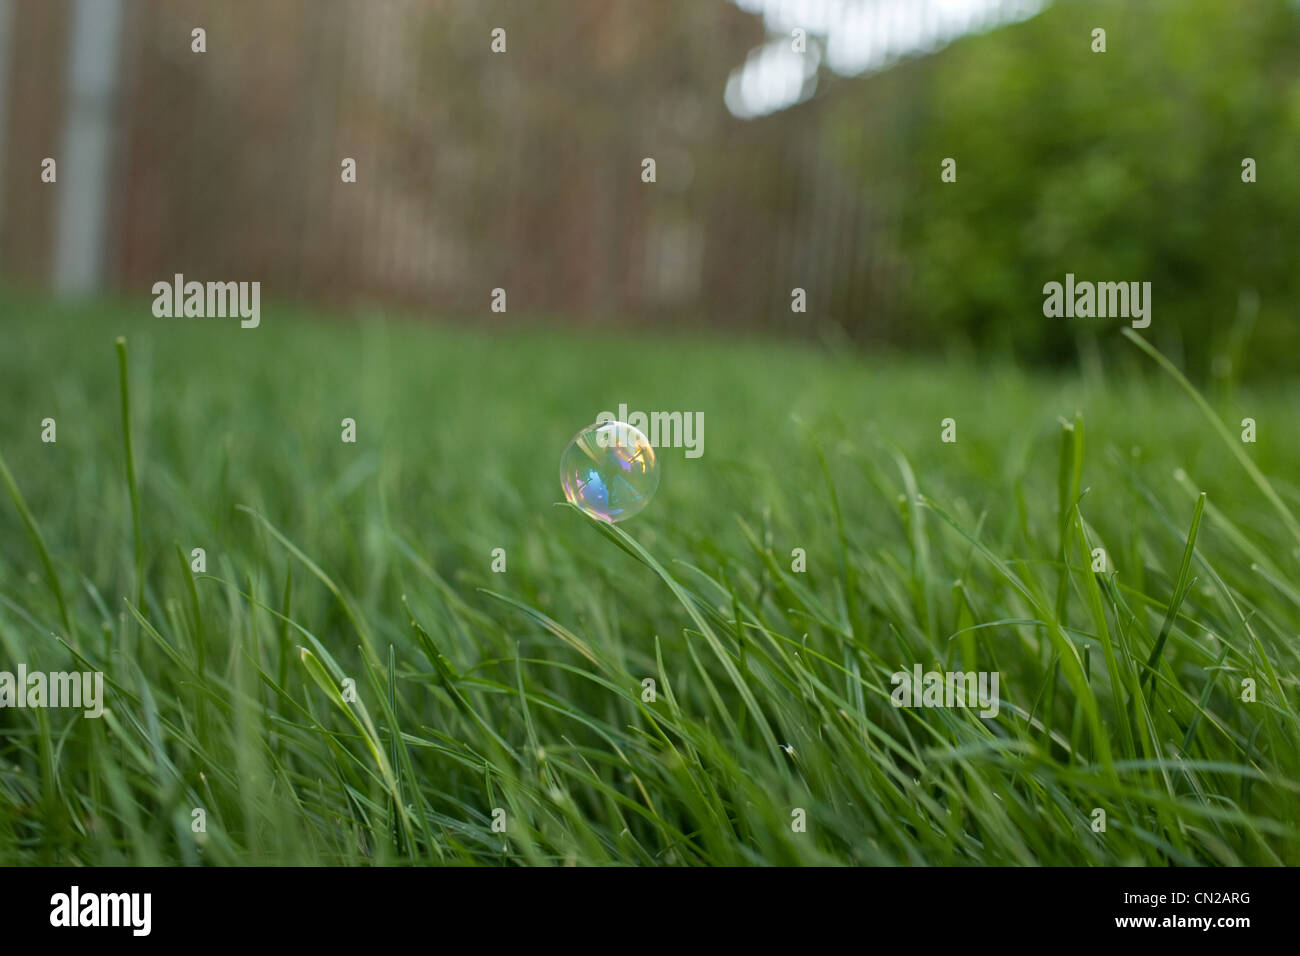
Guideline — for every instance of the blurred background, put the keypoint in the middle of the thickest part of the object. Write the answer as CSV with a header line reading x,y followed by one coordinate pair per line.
x,y
797,143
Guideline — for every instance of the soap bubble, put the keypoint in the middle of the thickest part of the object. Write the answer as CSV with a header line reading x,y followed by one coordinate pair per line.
x,y
609,470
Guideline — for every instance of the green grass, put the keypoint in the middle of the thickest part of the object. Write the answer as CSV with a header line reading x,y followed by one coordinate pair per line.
x,y
522,690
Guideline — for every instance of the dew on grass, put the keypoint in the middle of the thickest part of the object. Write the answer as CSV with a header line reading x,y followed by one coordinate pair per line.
x,y
609,470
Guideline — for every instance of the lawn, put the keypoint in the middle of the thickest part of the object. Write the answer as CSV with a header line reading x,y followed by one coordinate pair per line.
x,y
504,717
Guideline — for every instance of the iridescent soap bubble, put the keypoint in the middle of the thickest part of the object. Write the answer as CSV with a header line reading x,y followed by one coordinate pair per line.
x,y
609,470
